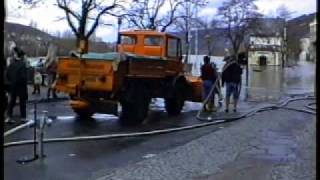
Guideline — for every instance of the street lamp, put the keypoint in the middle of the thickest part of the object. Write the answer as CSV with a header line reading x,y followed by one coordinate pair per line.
x,y
208,39
119,26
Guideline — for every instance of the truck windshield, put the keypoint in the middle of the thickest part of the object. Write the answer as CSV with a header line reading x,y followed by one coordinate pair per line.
x,y
128,40
153,41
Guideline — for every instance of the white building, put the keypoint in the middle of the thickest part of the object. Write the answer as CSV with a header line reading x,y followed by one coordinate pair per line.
x,y
266,50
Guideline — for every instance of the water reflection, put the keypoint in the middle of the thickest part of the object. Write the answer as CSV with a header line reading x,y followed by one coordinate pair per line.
x,y
265,84
272,82
269,83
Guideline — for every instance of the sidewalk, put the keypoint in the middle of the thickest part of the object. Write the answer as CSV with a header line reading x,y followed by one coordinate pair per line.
x,y
276,144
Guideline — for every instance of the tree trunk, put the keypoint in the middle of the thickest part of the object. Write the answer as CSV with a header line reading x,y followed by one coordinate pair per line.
x,y
83,45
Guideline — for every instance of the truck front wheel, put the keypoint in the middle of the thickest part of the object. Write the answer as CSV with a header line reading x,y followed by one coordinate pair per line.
x,y
174,102
133,113
84,113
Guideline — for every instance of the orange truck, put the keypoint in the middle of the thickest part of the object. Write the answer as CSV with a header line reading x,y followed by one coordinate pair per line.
x,y
147,64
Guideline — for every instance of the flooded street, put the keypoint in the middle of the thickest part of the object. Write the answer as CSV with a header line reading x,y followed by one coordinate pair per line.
x,y
269,83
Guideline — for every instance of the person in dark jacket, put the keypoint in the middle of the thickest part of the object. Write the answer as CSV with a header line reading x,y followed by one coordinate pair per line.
x,y
231,75
208,76
17,78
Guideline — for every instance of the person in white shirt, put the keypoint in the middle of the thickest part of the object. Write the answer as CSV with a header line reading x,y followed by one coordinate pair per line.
x,y
37,80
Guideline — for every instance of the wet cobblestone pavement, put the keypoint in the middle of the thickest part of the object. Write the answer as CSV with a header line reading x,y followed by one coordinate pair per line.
x,y
277,145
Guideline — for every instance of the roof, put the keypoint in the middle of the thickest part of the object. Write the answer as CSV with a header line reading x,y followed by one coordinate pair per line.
x,y
269,27
147,32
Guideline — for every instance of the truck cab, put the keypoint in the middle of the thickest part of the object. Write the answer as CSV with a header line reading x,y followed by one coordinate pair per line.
x,y
150,43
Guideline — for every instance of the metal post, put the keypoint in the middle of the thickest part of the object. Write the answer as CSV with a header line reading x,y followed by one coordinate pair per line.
x,y
42,124
284,45
35,125
196,34
247,76
187,31
35,130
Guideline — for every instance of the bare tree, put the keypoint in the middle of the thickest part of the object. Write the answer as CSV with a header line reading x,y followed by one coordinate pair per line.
x,y
188,20
239,17
152,14
84,16
208,27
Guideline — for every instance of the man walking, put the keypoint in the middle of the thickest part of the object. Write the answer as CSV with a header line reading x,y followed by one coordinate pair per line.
x,y
208,76
17,80
231,75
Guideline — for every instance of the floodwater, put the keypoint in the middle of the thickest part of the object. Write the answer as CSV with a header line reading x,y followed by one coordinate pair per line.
x,y
269,83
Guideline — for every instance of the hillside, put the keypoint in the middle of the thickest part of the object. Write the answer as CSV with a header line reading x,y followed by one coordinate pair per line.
x,y
36,42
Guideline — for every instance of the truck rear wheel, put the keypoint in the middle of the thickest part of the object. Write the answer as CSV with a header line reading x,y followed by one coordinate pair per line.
x,y
135,105
84,113
174,105
133,113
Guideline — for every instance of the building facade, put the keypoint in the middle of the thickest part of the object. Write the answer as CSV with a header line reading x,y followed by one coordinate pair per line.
x,y
266,50
313,38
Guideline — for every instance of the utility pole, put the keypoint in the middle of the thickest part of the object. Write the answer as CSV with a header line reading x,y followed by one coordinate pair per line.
x,y
284,46
118,36
196,34
187,31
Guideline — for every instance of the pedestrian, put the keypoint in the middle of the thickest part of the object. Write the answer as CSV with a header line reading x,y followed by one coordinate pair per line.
x,y
37,80
209,77
51,69
231,75
17,84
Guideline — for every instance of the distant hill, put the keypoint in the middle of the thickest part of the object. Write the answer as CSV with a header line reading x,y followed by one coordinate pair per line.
x,y
36,42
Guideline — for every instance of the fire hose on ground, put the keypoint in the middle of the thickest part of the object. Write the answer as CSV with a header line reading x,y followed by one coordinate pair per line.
x,y
137,134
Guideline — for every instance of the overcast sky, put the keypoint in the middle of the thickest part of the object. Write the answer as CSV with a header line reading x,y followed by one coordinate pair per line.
x,y
46,15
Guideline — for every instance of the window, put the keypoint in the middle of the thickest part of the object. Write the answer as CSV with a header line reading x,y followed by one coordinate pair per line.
x,y
128,40
153,41
173,47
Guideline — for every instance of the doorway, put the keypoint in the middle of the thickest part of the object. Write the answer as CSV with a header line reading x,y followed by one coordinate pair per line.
x,y
262,60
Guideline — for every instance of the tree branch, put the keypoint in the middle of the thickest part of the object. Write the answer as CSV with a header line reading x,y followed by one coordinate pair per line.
x,y
95,24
